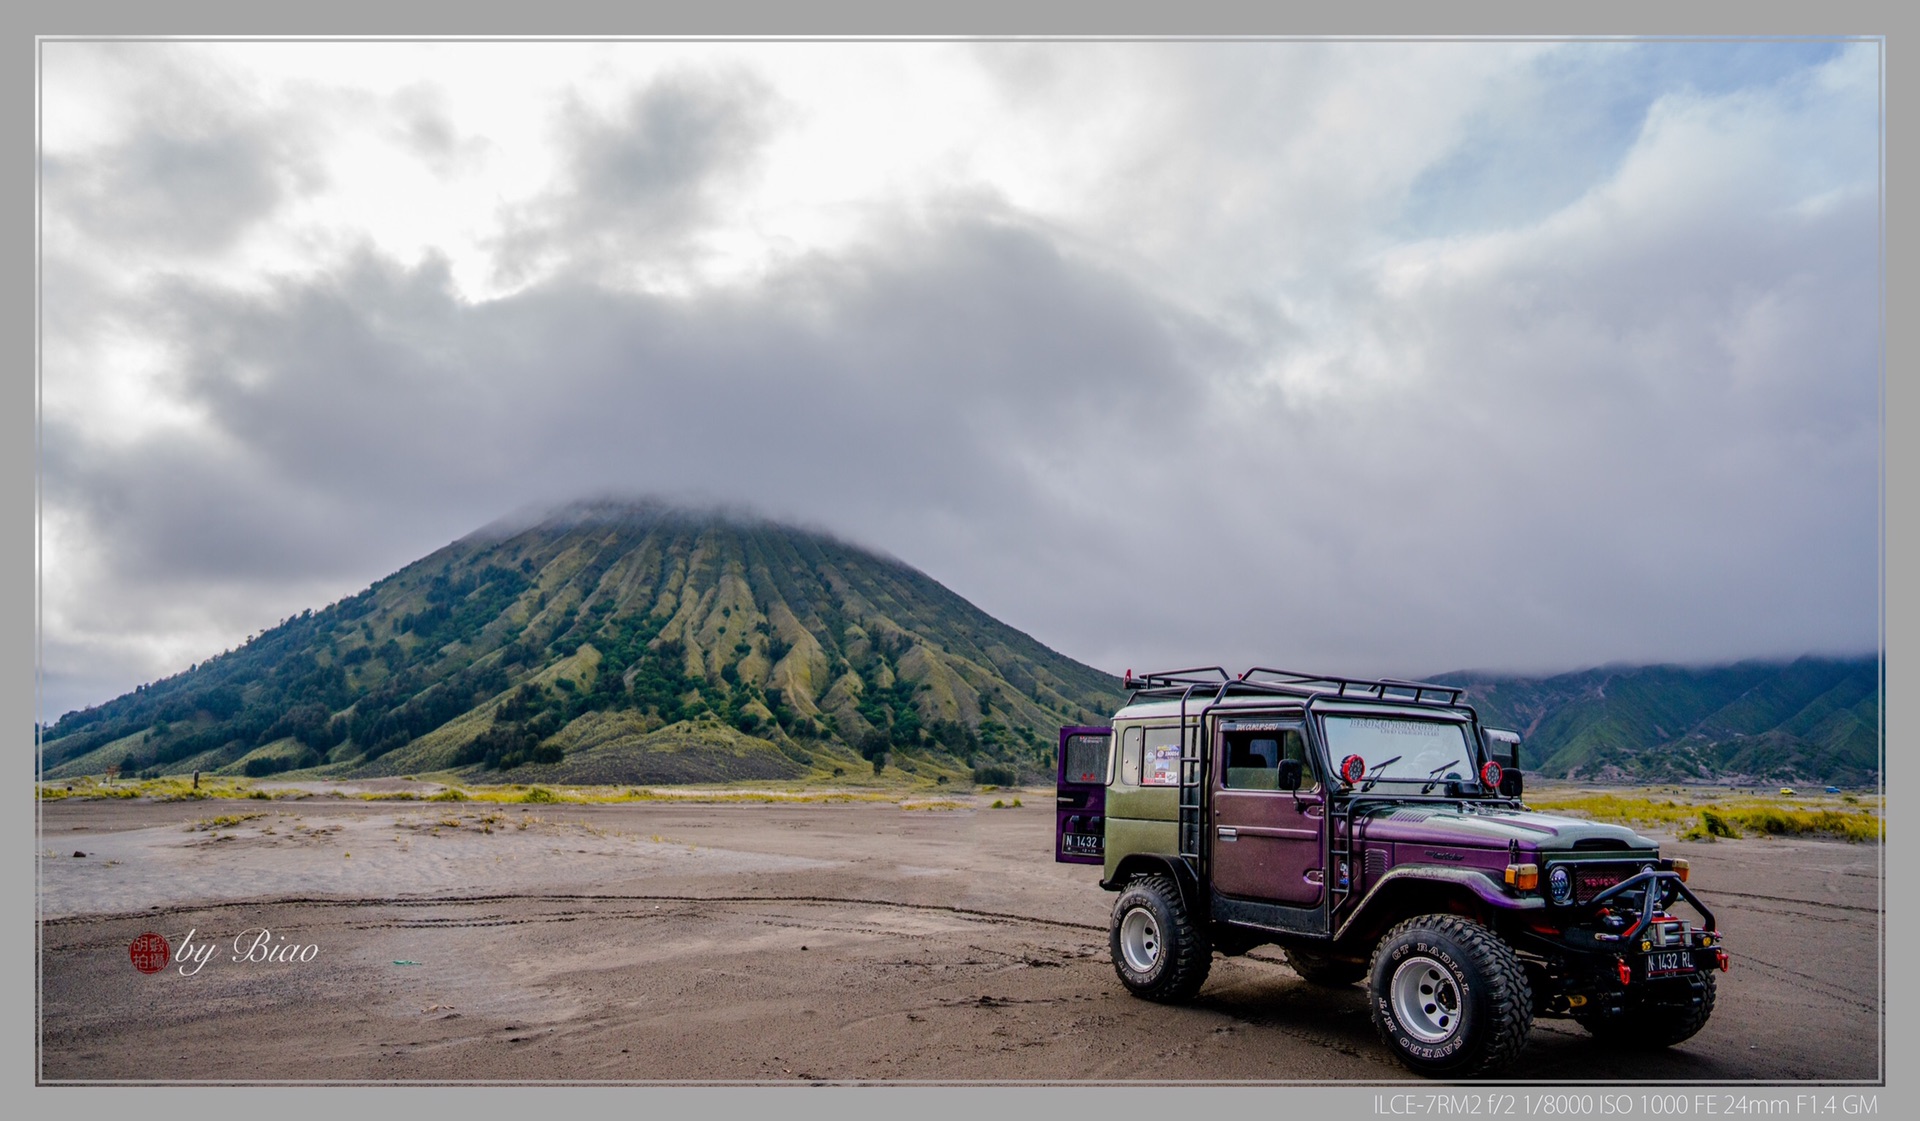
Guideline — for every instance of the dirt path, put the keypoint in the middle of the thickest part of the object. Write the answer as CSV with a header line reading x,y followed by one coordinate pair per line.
x,y
751,943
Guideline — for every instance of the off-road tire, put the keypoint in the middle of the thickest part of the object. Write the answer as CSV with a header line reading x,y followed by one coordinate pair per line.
x,y
1655,1024
1318,969
1449,997
1158,950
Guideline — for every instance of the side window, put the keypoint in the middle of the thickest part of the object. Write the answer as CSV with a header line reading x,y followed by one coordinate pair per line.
x,y
1160,760
1130,741
1253,760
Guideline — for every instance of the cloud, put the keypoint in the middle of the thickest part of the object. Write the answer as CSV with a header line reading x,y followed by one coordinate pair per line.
x,y
642,181
420,118
906,372
1290,383
199,162
371,412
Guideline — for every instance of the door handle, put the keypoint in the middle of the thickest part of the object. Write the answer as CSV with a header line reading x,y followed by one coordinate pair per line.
x,y
1228,833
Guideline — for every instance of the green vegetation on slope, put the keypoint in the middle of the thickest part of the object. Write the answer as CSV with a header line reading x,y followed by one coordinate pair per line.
x,y
1810,720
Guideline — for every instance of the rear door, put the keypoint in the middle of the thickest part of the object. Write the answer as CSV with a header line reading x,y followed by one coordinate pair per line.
x,y
1080,816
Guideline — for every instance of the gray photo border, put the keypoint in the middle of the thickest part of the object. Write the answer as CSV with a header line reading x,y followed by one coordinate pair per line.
x,y
849,19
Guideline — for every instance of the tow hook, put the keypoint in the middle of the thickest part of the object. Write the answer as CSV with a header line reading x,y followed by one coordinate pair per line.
x,y
1626,975
1725,962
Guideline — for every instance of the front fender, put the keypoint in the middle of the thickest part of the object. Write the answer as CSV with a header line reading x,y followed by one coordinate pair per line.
x,y
1470,883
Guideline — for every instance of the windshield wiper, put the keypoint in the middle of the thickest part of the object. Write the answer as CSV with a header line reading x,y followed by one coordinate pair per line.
x,y
1368,785
1428,788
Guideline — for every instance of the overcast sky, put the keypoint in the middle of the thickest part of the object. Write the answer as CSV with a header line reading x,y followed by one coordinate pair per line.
x,y
1349,357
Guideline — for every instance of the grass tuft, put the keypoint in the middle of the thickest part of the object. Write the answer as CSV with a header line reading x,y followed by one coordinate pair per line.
x,y
224,821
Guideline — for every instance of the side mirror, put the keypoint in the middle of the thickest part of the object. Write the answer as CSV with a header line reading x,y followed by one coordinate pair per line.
x,y
1510,784
1503,747
1289,776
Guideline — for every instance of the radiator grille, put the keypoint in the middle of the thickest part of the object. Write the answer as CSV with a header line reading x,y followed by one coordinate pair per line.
x,y
1590,880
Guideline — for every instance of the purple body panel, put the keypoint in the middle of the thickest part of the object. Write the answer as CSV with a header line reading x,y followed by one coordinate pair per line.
x,y
1080,803
1267,845
1444,838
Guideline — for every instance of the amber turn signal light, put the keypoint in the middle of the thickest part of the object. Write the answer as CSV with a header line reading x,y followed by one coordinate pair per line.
x,y
1526,877
1680,867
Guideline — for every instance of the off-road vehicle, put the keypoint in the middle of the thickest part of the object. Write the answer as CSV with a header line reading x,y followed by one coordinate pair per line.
x,y
1375,832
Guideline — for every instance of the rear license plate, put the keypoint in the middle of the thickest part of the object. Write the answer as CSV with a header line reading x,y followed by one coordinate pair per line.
x,y
1082,844
1669,961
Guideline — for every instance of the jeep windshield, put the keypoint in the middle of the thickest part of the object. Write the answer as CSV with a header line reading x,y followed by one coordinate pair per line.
x,y
1396,750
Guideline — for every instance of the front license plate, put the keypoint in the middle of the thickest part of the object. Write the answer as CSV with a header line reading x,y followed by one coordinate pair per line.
x,y
1082,844
1669,961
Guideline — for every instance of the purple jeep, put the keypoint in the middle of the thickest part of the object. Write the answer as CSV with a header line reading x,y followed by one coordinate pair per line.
x,y
1374,831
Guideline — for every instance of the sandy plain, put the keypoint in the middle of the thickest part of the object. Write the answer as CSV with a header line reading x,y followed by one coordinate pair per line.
x,y
846,943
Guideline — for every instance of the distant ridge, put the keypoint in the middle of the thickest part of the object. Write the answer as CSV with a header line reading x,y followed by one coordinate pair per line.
x,y
616,640
1808,720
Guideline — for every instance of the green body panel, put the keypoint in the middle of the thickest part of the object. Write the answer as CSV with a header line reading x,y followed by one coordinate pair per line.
x,y
1154,803
1127,835
1141,820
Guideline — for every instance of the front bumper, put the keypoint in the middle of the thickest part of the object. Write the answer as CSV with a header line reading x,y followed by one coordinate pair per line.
x,y
1627,949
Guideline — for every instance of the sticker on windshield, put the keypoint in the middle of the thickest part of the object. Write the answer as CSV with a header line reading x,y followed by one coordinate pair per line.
x,y
1391,727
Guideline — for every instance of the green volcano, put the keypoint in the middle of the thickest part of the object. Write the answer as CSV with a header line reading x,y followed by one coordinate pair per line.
x,y
615,642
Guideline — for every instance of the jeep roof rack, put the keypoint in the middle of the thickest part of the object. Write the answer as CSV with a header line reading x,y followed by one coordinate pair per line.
x,y
1174,678
1384,688
1281,682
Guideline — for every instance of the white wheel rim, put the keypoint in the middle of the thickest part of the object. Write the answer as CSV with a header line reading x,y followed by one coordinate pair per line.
x,y
1426,1000
1140,940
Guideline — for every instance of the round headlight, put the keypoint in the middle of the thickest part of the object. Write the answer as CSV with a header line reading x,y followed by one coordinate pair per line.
x,y
1560,884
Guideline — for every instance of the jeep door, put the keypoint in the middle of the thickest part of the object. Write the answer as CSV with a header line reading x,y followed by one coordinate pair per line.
x,y
1080,813
1267,842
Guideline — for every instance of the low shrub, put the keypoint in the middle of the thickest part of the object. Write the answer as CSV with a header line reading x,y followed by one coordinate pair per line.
x,y
995,774
1716,825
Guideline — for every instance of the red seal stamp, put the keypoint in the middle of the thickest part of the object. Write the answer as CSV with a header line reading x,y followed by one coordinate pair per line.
x,y
150,953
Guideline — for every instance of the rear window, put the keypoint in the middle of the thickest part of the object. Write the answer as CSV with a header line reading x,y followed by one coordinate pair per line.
x,y
1087,758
